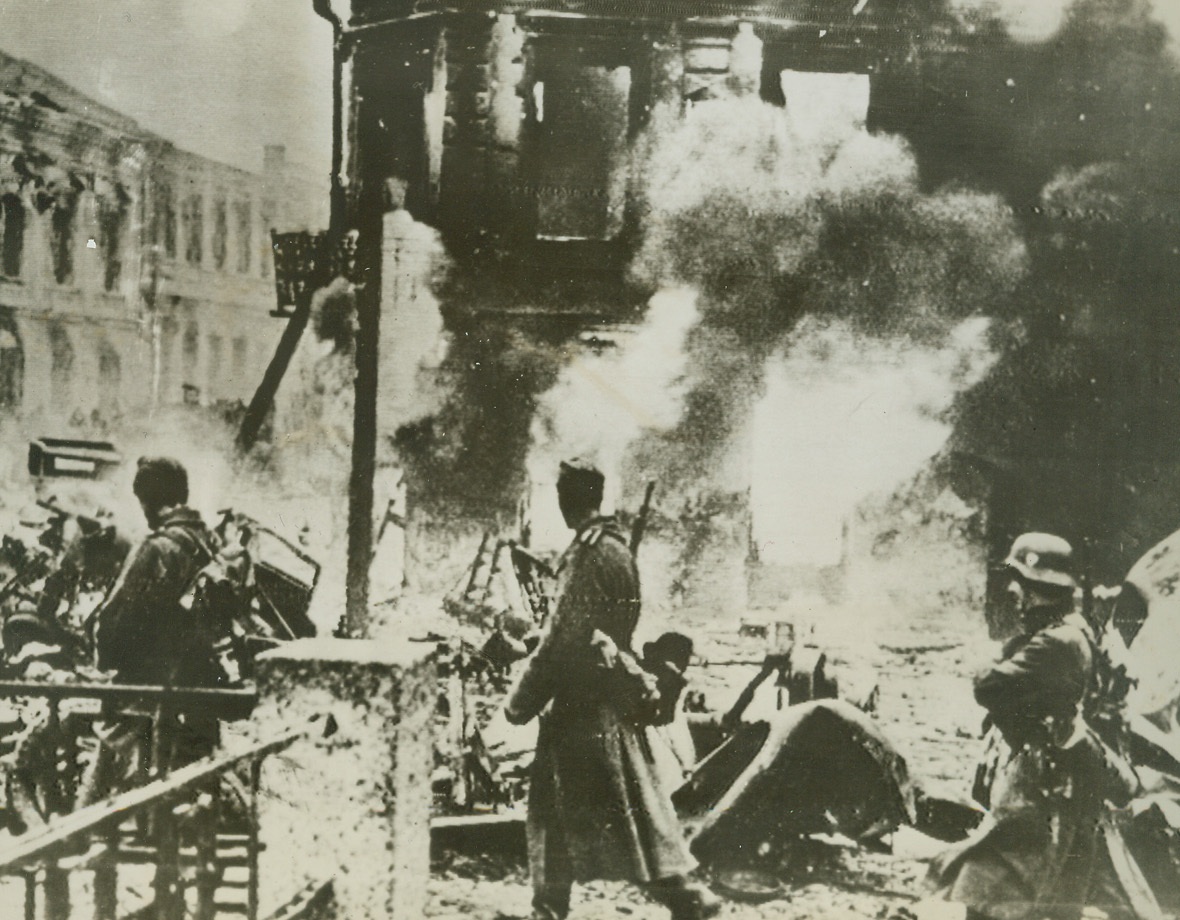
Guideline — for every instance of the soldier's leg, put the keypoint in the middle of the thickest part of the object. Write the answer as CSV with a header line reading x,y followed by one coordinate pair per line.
x,y
551,867
552,875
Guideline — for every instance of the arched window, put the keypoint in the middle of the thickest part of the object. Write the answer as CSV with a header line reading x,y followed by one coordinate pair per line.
x,y
112,215
165,219
12,235
61,367
220,233
245,215
192,224
61,228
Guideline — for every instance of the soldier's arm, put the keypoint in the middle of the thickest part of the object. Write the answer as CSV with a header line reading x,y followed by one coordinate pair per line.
x,y
122,620
1037,675
566,635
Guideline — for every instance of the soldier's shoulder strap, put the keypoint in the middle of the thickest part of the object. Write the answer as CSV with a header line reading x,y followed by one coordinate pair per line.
x,y
596,532
591,535
201,548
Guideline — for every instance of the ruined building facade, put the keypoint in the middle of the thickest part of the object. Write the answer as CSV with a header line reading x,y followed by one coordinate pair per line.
x,y
519,132
517,129
132,273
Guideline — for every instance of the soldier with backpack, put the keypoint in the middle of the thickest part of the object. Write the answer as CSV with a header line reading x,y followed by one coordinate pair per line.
x,y
145,635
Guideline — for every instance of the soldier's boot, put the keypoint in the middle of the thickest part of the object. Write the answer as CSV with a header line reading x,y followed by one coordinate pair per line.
x,y
686,900
551,902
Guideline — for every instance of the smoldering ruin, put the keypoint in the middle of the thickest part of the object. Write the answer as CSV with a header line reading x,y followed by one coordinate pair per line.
x,y
858,223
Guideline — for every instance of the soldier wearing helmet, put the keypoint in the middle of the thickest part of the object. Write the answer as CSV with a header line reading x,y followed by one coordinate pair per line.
x,y
1042,855
1043,673
1041,583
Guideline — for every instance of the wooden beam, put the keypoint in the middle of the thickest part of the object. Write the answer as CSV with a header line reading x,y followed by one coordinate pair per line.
x,y
224,704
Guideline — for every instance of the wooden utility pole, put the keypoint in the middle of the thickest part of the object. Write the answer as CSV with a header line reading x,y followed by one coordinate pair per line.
x,y
315,255
361,211
364,430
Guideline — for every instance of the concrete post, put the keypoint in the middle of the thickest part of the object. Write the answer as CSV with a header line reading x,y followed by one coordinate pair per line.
x,y
355,806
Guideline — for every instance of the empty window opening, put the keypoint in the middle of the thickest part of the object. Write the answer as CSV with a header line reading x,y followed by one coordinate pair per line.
x,y
581,118
112,217
191,348
220,232
165,215
12,235
61,366
12,367
61,231
192,229
245,221
110,377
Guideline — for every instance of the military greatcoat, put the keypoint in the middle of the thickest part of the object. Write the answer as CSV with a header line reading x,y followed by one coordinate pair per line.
x,y
1048,847
596,808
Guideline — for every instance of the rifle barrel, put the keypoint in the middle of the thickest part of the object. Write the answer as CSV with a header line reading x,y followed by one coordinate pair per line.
x,y
640,524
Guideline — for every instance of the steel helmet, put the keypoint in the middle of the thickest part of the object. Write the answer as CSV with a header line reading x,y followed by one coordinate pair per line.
x,y
1042,558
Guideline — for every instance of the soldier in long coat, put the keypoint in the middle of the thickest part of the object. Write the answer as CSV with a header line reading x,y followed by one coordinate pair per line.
x,y
1048,848
596,809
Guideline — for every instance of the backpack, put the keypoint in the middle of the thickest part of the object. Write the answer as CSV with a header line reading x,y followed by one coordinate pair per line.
x,y
213,606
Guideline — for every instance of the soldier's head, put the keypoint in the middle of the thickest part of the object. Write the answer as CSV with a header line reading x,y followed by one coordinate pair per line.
x,y
1040,566
160,483
579,491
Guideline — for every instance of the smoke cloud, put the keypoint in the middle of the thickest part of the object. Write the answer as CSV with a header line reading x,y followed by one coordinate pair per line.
x,y
844,418
1078,135
606,398
1041,21
774,224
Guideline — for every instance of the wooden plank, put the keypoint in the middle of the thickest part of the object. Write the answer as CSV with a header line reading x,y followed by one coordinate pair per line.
x,y
106,880
314,901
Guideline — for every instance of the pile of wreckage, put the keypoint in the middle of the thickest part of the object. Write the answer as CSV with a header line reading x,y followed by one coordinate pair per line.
x,y
757,787
821,761
60,553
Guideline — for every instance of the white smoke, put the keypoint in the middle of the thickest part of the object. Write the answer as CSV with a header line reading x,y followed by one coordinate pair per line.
x,y
1025,21
607,396
845,418
1040,21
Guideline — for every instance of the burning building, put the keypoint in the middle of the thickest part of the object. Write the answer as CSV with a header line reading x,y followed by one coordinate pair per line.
x,y
780,194
539,142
